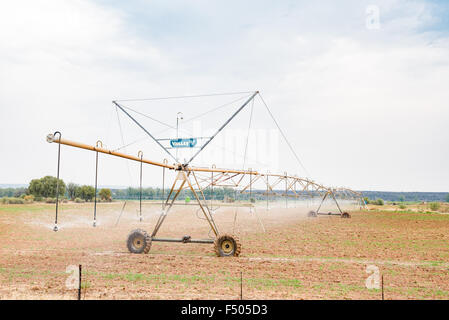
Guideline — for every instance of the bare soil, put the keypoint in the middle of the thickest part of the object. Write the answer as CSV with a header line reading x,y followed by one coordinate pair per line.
x,y
295,258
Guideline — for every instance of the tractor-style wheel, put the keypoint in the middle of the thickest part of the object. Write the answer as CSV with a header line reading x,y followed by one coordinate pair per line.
x,y
139,241
227,246
312,214
345,215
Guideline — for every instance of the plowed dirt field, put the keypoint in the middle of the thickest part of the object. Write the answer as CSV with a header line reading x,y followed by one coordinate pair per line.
x,y
295,258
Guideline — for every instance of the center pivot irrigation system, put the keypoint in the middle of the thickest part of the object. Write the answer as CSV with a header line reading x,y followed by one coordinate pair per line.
x,y
198,179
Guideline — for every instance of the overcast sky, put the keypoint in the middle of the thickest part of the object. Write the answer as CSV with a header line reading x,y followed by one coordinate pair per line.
x,y
359,87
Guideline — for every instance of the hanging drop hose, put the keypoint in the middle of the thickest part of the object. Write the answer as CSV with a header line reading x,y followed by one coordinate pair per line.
x,y
250,189
267,189
212,187
99,144
140,154
286,190
235,219
55,228
163,184
120,215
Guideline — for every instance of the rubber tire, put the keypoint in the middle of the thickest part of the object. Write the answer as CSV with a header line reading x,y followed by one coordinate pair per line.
x,y
237,245
345,215
146,239
312,214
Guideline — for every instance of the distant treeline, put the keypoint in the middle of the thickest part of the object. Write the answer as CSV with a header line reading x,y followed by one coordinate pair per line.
x,y
222,193
231,194
407,196
12,192
158,194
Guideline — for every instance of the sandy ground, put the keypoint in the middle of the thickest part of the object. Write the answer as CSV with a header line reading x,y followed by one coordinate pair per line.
x,y
295,258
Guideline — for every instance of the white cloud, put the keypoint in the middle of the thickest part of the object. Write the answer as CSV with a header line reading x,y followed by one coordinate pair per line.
x,y
61,63
364,108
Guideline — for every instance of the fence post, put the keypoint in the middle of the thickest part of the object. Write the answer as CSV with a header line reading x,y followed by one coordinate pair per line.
x,y
79,286
382,287
241,285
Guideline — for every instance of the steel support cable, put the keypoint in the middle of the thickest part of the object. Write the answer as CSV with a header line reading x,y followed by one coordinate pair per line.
x,y
212,146
143,128
244,159
278,129
108,130
189,133
151,118
120,215
188,120
187,96
223,126
247,135
215,109
131,143
283,135
123,142
205,203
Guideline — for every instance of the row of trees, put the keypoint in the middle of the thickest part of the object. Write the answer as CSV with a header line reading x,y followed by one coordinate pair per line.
x,y
47,187
13,192
159,193
389,196
219,193
87,193
378,202
83,192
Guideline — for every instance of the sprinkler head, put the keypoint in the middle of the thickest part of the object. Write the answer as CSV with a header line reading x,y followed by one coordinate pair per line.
x,y
95,223
50,138
55,228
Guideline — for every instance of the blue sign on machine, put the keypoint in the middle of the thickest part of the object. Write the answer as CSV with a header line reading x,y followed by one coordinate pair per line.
x,y
183,143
